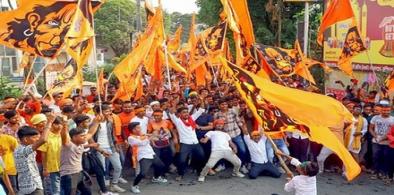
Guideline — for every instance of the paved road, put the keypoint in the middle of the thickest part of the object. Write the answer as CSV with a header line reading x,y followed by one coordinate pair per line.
x,y
224,184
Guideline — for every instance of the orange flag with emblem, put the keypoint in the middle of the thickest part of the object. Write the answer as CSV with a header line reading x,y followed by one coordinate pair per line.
x,y
338,10
240,8
278,108
38,27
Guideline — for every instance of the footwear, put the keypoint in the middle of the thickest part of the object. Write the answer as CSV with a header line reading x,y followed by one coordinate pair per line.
x,y
172,169
108,193
116,188
159,180
106,182
201,179
211,172
135,189
238,174
244,170
220,168
122,180
374,177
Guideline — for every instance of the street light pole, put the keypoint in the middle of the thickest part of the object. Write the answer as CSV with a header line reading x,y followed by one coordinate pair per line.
x,y
306,28
139,23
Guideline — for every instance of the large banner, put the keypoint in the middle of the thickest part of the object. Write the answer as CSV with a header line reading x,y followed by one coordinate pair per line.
x,y
375,19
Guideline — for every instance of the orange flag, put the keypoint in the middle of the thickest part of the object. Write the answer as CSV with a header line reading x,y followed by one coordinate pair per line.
x,y
390,81
301,69
27,61
174,43
101,82
353,45
240,7
278,108
38,27
201,73
338,10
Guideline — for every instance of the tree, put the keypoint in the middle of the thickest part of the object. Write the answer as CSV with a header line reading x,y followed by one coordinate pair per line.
x,y
114,22
8,89
265,17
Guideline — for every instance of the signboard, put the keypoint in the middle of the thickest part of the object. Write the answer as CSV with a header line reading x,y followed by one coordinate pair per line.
x,y
375,20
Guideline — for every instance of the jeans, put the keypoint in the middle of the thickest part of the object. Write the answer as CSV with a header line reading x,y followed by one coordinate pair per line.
x,y
54,186
115,162
166,155
216,155
145,165
95,167
241,147
379,155
390,162
190,149
267,169
299,148
280,143
73,182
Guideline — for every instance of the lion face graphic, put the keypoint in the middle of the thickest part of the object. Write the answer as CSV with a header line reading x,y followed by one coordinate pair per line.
x,y
41,30
279,60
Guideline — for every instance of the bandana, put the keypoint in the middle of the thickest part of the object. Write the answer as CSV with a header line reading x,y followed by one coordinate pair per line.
x,y
38,118
138,110
190,122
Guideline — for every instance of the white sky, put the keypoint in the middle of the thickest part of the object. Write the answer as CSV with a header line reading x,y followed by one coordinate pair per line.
x,y
182,6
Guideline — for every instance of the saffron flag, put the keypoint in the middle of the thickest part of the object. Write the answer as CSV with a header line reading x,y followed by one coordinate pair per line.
x,y
38,27
150,11
280,108
301,69
79,39
240,7
230,16
210,44
27,61
129,65
281,61
390,82
101,82
70,78
127,89
338,10
353,45
174,44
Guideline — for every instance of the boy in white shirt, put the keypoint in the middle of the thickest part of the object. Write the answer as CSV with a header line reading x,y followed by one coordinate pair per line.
x,y
305,183
222,148
143,152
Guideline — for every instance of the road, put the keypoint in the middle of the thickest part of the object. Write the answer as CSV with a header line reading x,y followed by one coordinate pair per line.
x,y
224,184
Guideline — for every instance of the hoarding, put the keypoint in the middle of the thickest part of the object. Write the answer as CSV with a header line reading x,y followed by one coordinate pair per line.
x,y
375,19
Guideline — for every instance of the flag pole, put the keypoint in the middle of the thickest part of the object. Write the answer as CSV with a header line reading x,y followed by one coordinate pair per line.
x,y
167,67
106,87
281,161
95,62
29,73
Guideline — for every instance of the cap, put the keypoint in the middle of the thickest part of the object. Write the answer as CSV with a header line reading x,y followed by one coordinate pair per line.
x,y
38,118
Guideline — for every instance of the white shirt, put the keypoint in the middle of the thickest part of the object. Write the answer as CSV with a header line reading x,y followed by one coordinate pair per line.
x,y
102,136
302,185
145,150
187,135
143,123
257,150
219,140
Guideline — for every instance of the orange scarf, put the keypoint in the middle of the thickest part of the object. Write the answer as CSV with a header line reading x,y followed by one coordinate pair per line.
x,y
134,156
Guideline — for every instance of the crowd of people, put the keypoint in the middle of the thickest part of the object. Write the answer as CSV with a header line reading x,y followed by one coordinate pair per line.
x,y
55,145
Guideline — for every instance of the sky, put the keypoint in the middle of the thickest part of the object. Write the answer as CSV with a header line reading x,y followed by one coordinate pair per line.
x,y
182,6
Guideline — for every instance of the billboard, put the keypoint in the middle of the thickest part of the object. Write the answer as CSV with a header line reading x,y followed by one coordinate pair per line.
x,y
375,19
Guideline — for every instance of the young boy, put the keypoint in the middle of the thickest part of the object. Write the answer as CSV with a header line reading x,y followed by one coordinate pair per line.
x,y
222,148
29,180
143,152
71,157
51,156
305,183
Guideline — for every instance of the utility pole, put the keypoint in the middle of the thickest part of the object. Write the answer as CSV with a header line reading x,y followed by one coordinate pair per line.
x,y
306,21
139,23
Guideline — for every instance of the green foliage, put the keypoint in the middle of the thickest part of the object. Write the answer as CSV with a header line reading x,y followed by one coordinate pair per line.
x,y
8,89
265,23
114,22
180,19
90,74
